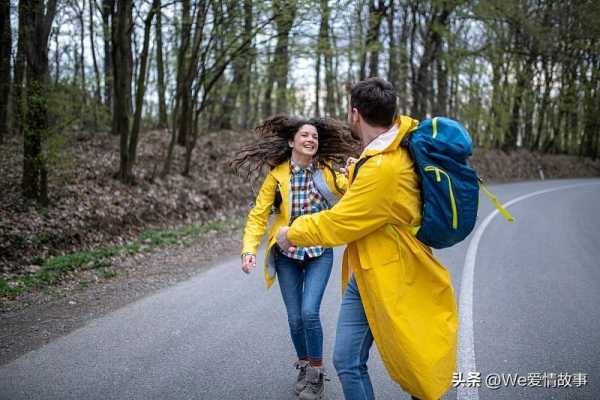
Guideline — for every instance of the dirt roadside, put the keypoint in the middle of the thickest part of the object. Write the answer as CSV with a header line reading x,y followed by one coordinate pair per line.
x,y
37,318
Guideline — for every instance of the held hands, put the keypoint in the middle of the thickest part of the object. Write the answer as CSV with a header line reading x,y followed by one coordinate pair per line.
x,y
283,241
248,262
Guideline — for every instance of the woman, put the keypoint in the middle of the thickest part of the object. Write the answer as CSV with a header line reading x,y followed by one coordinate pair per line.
x,y
301,154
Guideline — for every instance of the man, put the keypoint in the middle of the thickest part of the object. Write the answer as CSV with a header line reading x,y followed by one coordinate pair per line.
x,y
396,293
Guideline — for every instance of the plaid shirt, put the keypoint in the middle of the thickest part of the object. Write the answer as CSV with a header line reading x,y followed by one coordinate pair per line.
x,y
305,199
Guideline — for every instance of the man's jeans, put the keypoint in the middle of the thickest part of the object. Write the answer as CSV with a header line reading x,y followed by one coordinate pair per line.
x,y
302,284
353,340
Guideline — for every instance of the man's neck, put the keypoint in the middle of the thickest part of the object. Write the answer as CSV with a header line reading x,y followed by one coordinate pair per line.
x,y
370,133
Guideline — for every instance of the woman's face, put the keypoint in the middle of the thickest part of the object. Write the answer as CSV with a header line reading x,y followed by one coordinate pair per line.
x,y
306,141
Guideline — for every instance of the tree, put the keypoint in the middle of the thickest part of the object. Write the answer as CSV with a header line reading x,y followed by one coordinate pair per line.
x,y
19,68
376,14
183,89
107,12
228,113
98,96
437,22
160,69
123,75
122,58
38,16
284,13
325,51
5,57
249,58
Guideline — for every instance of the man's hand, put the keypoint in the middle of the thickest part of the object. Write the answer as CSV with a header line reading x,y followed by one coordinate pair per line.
x,y
283,241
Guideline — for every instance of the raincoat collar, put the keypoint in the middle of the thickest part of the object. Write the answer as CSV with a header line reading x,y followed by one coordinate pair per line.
x,y
296,168
390,140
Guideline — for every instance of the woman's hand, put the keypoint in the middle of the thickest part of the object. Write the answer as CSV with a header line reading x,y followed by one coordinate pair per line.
x,y
349,162
248,262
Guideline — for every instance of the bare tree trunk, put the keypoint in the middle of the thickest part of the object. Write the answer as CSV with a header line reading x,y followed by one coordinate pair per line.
x,y
415,23
267,104
440,105
19,69
80,14
258,94
247,120
511,135
376,14
108,7
56,56
324,52
122,68
547,68
393,70
39,17
98,95
327,52
227,118
432,45
591,128
523,79
573,117
160,69
286,12
185,77
404,63
5,56
182,67
362,75
318,71
141,89
340,97
528,110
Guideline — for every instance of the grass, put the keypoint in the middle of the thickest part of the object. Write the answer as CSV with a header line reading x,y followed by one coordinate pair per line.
x,y
53,269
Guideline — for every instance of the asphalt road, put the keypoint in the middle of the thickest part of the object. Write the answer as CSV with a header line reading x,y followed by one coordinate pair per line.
x,y
530,306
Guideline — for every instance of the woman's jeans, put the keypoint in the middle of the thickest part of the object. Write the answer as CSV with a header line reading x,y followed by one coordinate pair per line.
x,y
302,284
352,344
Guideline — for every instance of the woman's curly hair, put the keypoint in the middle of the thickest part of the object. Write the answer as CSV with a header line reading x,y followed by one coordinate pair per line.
x,y
271,149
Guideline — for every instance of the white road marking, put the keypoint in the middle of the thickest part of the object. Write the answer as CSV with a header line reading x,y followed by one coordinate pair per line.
x,y
466,347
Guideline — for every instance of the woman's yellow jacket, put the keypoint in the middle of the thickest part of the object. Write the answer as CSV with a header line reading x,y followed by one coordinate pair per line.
x,y
258,217
406,293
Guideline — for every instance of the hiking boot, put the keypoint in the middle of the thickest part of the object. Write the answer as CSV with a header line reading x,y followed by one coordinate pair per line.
x,y
314,384
301,381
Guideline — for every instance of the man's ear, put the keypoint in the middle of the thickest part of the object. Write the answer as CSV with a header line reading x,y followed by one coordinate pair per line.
x,y
355,115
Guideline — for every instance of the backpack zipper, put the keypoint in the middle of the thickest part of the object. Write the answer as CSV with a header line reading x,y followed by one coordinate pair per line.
x,y
438,171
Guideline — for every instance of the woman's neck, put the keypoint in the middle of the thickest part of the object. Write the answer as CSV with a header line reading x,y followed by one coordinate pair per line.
x,y
301,159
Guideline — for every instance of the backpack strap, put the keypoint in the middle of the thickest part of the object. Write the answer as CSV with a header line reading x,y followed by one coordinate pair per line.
x,y
496,203
357,166
321,185
277,200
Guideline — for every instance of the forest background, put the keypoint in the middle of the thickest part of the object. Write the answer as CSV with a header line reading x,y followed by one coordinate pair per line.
x,y
118,118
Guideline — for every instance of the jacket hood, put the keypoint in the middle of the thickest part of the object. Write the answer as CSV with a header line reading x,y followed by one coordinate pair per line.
x,y
390,140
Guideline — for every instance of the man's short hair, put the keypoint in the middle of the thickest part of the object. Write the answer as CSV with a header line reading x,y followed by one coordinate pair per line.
x,y
375,100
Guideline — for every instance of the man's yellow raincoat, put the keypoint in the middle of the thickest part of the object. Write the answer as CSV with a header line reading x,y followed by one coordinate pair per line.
x,y
258,217
406,293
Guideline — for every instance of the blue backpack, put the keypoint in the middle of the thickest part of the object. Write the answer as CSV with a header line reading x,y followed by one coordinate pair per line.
x,y
440,148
